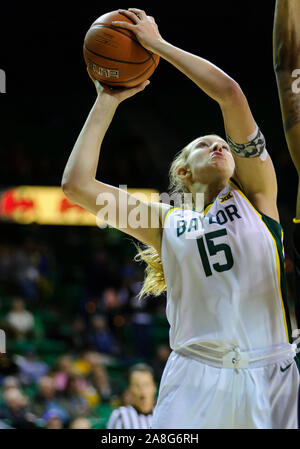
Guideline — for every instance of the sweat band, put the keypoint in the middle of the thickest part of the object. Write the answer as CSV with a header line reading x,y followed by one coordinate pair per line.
x,y
255,147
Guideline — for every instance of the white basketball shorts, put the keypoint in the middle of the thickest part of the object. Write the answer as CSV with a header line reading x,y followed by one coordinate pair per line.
x,y
194,394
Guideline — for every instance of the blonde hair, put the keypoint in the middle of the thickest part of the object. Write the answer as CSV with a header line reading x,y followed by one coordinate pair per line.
x,y
154,282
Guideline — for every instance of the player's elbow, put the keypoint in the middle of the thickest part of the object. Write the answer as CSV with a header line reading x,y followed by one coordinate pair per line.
x,y
233,93
69,189
286,57
280,62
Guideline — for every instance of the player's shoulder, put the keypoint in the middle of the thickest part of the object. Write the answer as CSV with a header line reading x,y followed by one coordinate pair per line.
x,y
163,207
177,213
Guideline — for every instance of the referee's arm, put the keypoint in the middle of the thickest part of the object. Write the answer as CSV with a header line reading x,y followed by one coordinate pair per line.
x,y
115,421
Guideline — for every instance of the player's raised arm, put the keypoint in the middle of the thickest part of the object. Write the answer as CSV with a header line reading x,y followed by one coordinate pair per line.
x,y
286,57
79,179
254,169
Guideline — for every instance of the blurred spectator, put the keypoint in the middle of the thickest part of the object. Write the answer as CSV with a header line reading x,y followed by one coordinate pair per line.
x,y
53,419
25,266
101,273
31,369
101,337
73,400
10,382
94,358
62,370
142,390
141,311
80,423
99,378
47,398
80,369
113,305
20,321
79,338
129,269
81,366
15,410
110,299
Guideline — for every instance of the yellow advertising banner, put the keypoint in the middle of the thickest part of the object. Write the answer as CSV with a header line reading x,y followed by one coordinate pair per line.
x,y
50,206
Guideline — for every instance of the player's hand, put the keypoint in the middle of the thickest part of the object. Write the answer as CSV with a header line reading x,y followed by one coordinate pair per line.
x,y
118,94
122,93
143,26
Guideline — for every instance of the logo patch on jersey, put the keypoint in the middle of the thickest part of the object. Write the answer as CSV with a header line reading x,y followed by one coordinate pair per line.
x,y
226,197
284,369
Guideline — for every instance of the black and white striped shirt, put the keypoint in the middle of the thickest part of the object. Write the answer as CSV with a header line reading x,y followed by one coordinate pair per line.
x,y
128,417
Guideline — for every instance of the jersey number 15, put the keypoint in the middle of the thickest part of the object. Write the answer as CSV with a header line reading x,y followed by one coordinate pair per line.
x,y
213,249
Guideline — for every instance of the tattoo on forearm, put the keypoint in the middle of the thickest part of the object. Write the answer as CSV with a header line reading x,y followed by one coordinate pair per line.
x,y
291,105
293,116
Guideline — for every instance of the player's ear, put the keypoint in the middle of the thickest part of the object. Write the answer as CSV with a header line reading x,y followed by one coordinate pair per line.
x,y
184,173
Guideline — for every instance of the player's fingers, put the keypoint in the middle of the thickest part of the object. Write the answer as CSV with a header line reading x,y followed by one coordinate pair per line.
x,y
125,25
139,12
151,19
98,86
143,85
129,92
138,88
131,15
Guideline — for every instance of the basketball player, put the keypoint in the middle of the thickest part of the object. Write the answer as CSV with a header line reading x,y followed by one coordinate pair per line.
x,y
286,44
142,390
232,363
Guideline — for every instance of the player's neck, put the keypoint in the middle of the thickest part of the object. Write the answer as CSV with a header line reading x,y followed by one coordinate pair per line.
x,y
204,194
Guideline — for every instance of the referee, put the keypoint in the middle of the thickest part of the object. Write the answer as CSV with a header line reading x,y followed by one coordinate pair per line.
x,y
142,390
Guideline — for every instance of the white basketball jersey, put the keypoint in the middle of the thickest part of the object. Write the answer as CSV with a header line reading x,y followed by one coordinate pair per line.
x,y
224,271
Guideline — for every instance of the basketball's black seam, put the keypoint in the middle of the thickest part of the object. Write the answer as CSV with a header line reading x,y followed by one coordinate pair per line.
x,y
99,25
130,79
116,60
153,60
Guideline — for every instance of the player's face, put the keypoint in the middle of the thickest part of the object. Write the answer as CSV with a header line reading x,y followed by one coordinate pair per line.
x,y
210,158
142,389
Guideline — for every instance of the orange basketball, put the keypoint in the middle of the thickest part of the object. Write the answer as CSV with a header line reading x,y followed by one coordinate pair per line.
x,y
114,56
